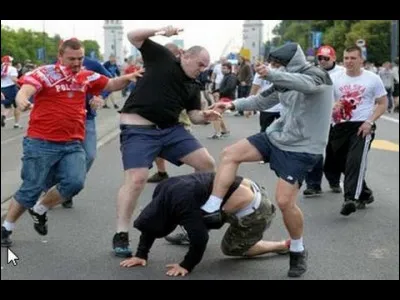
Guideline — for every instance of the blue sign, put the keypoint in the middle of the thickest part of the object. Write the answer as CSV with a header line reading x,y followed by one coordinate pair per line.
x,y
40,53
231,56
316,39
364,52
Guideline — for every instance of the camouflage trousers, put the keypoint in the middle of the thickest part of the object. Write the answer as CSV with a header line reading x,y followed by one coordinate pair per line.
x,y
243,233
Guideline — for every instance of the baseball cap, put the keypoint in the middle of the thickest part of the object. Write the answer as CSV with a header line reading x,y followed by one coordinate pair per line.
x,y
326,51
6,59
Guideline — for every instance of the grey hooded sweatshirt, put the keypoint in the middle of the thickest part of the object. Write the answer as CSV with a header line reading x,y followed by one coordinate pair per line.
x,y
306,94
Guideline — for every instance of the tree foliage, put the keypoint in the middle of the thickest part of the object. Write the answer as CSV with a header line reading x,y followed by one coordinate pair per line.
x,y
23,44
339,34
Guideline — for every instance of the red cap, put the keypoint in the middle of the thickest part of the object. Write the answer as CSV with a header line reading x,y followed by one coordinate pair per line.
x,y
326,51
6,59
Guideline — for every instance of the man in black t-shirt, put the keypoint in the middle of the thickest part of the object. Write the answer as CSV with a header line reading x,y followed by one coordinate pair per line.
x,y
150,125
177,201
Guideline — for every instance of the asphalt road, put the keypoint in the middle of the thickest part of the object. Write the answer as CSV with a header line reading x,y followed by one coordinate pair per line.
x,y
364,245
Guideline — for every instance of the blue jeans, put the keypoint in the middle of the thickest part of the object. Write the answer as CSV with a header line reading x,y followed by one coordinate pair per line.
x,y
90,143
89,146
41,158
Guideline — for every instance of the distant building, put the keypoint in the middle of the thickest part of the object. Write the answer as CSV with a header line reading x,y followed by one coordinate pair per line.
x,y
253,38
113,40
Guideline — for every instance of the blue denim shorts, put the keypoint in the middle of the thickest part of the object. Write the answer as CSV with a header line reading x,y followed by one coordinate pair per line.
x,y
41,158
89,145
289,166
10,93
140,146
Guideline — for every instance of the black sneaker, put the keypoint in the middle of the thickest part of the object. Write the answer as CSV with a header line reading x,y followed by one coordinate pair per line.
x,y
5,237
180,238
214,220
40,222
336,189
361,204
298,263
67,204
121,245
348,207
3,121
312,192
158,177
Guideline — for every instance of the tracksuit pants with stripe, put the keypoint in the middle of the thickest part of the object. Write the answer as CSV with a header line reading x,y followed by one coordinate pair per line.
x,y
347,153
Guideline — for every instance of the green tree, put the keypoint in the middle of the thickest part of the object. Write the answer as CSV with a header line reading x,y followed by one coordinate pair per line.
x,y
24,44
376,33
91,45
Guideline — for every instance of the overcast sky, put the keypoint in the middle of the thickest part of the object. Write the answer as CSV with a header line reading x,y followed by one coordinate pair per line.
x,y
212,34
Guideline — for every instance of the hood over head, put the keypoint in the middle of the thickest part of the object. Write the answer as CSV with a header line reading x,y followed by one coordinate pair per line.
x,y
291,56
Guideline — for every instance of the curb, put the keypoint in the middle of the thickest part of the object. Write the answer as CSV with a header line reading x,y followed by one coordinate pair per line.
x,y
104,140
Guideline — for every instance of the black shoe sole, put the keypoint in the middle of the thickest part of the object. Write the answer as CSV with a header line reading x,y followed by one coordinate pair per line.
x,y
6,245
68,204
348,208
40,229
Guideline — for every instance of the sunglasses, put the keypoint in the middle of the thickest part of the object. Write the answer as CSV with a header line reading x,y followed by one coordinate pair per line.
x,y
325,58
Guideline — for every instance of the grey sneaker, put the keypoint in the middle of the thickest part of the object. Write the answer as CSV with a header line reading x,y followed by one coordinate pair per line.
x,y
157,177
312,192
180,238
298,263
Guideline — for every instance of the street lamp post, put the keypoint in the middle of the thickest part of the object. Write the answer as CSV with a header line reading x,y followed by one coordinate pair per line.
x,y
44,41
394,49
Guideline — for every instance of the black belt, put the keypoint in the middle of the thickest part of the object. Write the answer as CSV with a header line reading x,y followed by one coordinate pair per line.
x,y
149,126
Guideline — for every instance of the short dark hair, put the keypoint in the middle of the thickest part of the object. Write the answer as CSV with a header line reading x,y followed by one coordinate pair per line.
x,y
74,44
228,65
354,48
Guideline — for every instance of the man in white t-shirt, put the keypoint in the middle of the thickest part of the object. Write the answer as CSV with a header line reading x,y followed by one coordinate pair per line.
x,y
326,56
217,76
360,100
9,77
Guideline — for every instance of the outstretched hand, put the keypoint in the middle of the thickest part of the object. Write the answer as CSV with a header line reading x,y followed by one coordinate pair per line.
x,y
133,262
220,107
137,74
211,115
176,270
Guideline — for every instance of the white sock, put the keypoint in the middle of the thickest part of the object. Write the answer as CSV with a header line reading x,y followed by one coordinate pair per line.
x,y
40,209
213,204
9,226
297,245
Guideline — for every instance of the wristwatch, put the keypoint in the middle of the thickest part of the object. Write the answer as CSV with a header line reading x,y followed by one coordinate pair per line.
x,y
372,123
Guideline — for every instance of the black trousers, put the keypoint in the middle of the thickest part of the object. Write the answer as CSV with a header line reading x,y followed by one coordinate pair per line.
x,y
347,153
314,177
266,119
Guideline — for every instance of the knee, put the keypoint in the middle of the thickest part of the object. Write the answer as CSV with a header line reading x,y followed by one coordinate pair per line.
x,y
228,155
284,203
207,164
72,187
136,180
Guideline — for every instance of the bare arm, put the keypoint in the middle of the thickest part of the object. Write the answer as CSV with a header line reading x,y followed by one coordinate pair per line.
x,y
380,108
203,116
137,37
121,82
23,96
